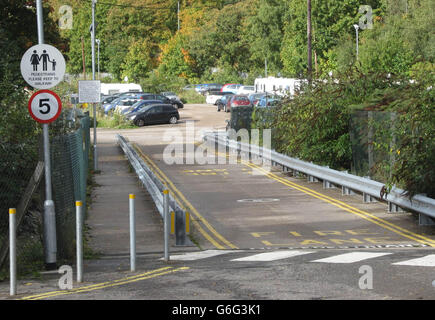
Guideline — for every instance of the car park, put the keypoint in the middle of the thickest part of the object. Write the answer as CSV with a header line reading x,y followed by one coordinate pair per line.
x,y
154,114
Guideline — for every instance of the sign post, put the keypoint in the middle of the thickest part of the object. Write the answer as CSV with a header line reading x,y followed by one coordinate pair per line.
x,y
43,67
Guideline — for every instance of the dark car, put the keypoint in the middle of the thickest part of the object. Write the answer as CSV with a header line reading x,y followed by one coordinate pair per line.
x,y
156,113
139,105
222,102
151,96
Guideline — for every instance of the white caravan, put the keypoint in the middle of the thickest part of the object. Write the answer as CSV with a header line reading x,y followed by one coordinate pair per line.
x,y
112,88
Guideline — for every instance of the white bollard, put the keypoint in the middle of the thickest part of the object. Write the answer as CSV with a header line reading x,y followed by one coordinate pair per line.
x,y
166,222
132,233
13,251
79,240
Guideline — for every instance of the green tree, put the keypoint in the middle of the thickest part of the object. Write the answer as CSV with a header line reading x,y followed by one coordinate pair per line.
x,y
137,62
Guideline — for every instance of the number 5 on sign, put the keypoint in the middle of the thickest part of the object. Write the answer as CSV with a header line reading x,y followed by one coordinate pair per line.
x,y
45,106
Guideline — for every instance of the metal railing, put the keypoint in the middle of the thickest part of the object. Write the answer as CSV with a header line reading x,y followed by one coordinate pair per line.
x,y
370,189
156,188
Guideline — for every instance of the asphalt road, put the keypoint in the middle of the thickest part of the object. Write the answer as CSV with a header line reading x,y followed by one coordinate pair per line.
x,y
261,235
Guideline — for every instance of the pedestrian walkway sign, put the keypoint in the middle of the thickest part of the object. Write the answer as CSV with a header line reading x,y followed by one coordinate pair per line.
x,y
43,66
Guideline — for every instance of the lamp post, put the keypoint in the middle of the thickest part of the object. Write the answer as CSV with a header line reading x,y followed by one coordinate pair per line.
x,y
356,29
98,56
93,26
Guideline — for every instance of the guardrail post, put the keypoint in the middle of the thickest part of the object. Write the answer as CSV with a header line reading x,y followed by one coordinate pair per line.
x,y
79,240
368,198
346,191
132,232
166,223
394,207
13,251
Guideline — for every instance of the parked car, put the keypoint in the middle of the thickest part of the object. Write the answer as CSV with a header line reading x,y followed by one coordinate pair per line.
x,y
170,95
155,113
124,103
139,105
151,96
231,87
222,102
205,88
246,90
236,101
213,96
268,101
108,99
255,97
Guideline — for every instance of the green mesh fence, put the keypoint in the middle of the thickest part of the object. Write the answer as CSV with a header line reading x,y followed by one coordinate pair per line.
x,y
69,160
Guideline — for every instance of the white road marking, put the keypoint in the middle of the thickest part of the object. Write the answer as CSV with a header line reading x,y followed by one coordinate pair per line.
x,y
271,256
352,257
200,255
427,261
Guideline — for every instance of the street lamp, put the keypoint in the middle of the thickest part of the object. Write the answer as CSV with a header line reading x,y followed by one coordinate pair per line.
x,y
356,29
98,56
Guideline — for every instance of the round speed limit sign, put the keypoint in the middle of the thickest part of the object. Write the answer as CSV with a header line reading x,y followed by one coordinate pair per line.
x,y
45,106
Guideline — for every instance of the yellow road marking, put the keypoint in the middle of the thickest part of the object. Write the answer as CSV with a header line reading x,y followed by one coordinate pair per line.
x,y
119,282
189,207
365,215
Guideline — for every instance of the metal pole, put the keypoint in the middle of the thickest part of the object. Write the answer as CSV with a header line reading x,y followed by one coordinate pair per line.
x,y
13,251
93,78
79,240
98,56
132,233
49,213
166,222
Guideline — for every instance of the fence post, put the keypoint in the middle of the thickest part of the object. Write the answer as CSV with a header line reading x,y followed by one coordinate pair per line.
x,y
13,251
79,240
132,233
166,222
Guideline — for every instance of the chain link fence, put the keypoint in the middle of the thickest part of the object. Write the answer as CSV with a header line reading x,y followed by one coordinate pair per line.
x,y
22,187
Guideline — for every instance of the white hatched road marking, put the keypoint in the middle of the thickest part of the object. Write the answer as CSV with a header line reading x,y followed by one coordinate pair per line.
x,y
271,256
427,261
201,255
352,257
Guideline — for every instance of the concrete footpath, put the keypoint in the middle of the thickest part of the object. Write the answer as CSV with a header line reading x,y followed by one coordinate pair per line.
x,y
107,232
108,215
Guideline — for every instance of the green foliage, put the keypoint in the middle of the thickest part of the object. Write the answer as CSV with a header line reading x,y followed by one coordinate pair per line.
x,y
191,96
137,62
